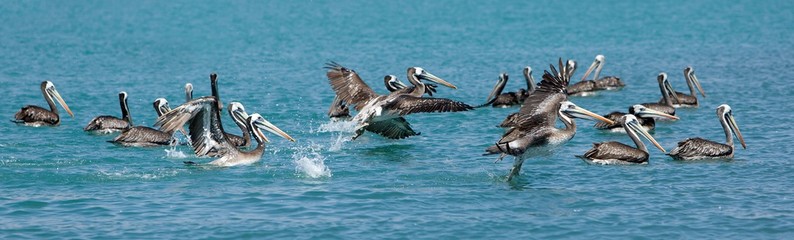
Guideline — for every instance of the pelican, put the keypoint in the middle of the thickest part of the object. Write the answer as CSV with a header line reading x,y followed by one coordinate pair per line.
x,y
645,117
499,99
339,109
512,119
238,114
534,133
108,124
141,136
188,92
664,86
691,99
619,153
36,116
207,135
382,114
585,87
698,148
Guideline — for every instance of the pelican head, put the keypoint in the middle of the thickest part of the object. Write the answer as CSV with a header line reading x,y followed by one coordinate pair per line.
x,y
570,68
666,87
498,88
237,112
392,83
530,80
571,110
689,74
49,89
633,126
645,112
422,74
256,123
726,116
188,92
597,64
161,106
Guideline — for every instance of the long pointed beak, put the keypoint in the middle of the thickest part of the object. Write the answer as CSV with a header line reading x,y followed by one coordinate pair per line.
x,y
497,89
736,131
647,112
586,114
400,84
430,77
264,124
639,129
670,91
697,84
60,100
590,69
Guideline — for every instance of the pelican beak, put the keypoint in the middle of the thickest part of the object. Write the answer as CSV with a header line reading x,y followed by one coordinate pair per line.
x,y
264,124
580,112
590,69
239,115
498,88
670,91
58,98
400,85
430,77
647,112
697,83
635,127
736,132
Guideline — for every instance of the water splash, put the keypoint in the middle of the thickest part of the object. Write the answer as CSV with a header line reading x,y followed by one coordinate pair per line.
x,y
338,126
173,153
310,163
337,145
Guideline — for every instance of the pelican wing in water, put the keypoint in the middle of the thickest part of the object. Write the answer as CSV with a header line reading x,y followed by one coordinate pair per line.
x,y
693,148
141,136
394,128
615,151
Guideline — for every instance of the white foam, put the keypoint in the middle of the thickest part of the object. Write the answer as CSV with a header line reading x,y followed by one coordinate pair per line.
x,y
173,153
338,126
337,145
311,164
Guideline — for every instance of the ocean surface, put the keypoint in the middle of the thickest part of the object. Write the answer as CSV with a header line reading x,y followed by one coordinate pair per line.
x,y
60,182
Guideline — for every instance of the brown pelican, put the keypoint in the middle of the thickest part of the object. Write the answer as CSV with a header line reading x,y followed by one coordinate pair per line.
x,y
512,119
382,114
585,87
339,109
698,148
643,114
499,99
188,92
238,114
534,132
619,153
36,116
141,136
108,124
691,99
664,86
207,135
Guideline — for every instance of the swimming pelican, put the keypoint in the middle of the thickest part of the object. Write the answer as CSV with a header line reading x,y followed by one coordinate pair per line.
x,y
619,153
382,114
207,135
108,124
142,136
36,116
188,92
698,148
645,117
664,86
535,133
585,87
499,99
691,99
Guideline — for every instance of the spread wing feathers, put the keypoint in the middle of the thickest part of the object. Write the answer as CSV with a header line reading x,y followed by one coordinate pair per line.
x,y
406,104
32,113
106,122
540,109
616,151
348,85
698,147
143,136
394,128
206,132
614,116
338,108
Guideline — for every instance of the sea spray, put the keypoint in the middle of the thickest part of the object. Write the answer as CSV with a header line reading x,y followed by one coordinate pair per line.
x,y
338,126
310,163
173,153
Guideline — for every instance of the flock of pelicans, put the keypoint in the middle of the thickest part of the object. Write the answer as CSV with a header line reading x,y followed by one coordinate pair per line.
x,y
528,133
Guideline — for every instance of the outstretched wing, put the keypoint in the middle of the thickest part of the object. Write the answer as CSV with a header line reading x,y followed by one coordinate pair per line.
x,y
348,85
406,104
206,131
394,128
540,108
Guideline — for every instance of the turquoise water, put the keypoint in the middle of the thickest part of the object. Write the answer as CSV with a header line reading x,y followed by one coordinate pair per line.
x,y
63,183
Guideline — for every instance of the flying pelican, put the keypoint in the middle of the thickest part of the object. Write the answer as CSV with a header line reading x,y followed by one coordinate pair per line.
x,y
382,114
499,99
36,116
698,148
108,124
340,111
645,117
207,135
141,136
534,132
512,119
619,153
664,86
691,99
188,92
585,87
